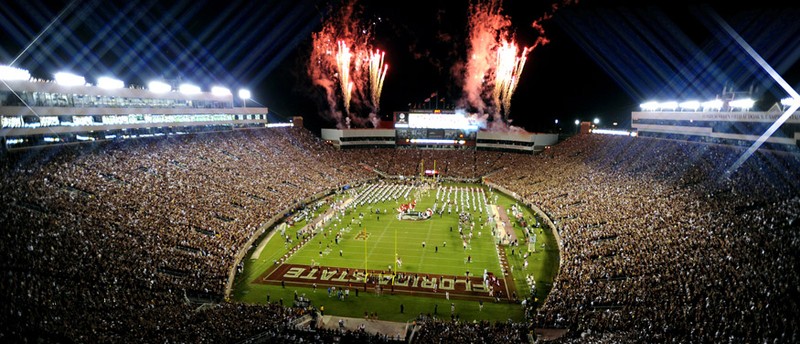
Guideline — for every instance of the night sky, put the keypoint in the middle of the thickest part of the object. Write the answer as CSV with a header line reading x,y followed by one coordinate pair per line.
x,y
603,58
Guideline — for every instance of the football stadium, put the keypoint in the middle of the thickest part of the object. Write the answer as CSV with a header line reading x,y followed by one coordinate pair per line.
x,y
191,213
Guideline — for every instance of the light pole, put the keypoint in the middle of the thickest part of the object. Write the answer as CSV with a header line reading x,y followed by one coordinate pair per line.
x,y
245,95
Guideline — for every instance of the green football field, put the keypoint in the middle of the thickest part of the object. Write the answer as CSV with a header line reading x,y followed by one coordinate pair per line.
x,y
367,235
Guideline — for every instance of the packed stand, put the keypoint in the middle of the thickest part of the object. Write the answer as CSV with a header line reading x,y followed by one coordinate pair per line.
x,y
468,165
124,234
660,243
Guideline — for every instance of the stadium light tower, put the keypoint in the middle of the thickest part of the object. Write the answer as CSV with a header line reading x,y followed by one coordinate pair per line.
x,y
11,73
69,79
159,87
220,91
715,104
189,89
109,83
649,106
691,105
596,120
787,102
742,104
669,105
245,95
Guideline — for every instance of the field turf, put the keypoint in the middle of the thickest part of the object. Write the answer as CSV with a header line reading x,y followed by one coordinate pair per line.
x,y
388,237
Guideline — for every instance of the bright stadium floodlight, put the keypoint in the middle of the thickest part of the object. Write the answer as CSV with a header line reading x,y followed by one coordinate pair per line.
x,y
612,132
596,120
220,91
189,89
649,106
744,104
692,105
434,141
109,83
158,87
11,73
556,120
245,95
69,79
788,101
715,104
669,105
577,122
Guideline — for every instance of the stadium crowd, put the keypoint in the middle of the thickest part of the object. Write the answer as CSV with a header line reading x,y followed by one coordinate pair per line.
x,y
657,242
455,164
132,229
453,331
660,244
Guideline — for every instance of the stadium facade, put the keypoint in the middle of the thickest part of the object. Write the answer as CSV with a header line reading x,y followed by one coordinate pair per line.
x,y
438,129
40,113
727,125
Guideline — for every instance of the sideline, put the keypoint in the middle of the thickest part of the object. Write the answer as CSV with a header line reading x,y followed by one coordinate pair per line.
x,y
321,219
257,253
242,252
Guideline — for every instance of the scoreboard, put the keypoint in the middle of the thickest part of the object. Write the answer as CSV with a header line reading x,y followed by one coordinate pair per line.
x,y
434,129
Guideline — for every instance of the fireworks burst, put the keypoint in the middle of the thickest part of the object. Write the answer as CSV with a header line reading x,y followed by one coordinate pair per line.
x,y
345,64
485,24
495,61
377,73
343,58
343,54
507,73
